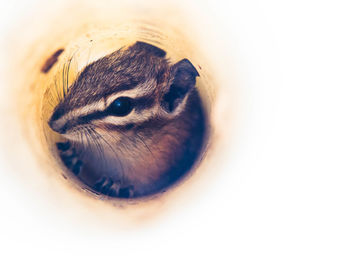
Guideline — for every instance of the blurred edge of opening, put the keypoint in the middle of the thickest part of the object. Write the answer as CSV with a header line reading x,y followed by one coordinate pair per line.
x,y
25,50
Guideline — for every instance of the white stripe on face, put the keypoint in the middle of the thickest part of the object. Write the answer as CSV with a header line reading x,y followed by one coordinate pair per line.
x,y
140,90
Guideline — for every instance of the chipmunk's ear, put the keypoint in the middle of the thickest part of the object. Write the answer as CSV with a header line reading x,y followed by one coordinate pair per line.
x,y
184,80
139,45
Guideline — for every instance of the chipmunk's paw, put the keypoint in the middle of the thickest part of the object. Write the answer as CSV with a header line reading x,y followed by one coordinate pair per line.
x,y
69,157
108,187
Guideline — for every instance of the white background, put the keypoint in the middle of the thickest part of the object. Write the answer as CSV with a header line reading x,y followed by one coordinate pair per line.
x,y
283,197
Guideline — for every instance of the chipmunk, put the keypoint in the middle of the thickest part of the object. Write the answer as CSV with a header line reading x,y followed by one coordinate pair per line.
x,y
134,122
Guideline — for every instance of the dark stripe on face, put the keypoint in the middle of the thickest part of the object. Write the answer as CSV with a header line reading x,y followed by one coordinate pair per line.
x,y
139,104
82,120
144,103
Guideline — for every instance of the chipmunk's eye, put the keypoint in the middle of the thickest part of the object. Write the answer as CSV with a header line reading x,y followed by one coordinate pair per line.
x,y
122,106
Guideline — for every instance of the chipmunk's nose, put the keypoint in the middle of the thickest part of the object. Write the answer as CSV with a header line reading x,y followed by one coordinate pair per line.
x,y
56,123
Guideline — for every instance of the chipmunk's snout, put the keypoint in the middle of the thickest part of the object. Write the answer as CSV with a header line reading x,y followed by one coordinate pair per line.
x,y
57,122
54,125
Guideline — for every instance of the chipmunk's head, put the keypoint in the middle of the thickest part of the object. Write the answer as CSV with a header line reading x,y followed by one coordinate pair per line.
x,y
127,89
